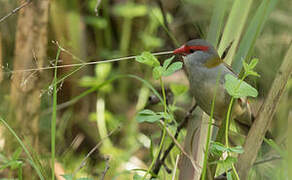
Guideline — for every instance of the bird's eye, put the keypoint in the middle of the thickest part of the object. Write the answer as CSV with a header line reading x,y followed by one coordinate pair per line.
x,y
192,51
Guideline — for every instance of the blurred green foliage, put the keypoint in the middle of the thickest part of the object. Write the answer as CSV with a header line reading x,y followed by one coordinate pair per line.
x,y
107,96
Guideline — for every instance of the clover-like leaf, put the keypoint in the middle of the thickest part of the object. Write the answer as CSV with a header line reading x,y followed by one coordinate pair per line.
x,y
172,68
245,66
253,73
237,149
148,58
253,63
248,68
178,89
148,115
227,163
157,72
167,62
218,146
237,88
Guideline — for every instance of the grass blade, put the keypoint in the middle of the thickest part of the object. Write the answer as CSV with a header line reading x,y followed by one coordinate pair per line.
x,y
31,160
234,27
217,21
252,33
54,117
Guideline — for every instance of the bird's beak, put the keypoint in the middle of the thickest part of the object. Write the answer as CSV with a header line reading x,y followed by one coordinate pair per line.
x,y
180,50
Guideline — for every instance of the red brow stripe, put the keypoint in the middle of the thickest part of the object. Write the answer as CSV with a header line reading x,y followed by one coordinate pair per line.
x,y
201,48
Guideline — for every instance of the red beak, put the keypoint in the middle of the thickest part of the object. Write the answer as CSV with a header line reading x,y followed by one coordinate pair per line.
x,y
180,50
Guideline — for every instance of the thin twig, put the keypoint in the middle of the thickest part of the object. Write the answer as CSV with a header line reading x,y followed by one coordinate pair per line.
x,y
82,164
267,160
107,159
163,14
166,24
195,164
87,63
66,51
96,7
159,162
15,10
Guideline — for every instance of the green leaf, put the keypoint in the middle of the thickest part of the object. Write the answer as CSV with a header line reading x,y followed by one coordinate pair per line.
x,y
253,63
167,62
67,176
167,116
237,88
172,68
130,10
245,66
227,163
147,115
218,146
17,153
253,73
178,89
237,149
157,72
137,177
148,58
15,164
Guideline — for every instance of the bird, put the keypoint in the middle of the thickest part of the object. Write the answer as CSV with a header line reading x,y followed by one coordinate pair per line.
x,y
206,73
204,66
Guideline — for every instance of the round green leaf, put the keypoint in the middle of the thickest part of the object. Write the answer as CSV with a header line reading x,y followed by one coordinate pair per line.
x,y
148,58
237,88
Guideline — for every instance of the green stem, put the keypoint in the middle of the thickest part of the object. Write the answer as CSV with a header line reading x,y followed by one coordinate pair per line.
x,y
209,131
227,122
163,95
54,116
163,131
235,172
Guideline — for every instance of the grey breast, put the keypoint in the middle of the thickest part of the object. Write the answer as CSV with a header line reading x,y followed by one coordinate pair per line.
x,y
203,81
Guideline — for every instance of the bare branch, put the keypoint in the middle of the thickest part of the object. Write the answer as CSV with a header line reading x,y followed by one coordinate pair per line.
x,y
15,10
160,162
195,164
86,63
107,159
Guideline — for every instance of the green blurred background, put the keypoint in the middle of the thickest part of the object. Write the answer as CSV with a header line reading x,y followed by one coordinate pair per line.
x,y
122,28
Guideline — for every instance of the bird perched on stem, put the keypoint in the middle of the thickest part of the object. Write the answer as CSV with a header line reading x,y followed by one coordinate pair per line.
x,y
203,66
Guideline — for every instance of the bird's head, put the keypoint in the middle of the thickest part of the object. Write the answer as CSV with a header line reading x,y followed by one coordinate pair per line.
x,y
199,52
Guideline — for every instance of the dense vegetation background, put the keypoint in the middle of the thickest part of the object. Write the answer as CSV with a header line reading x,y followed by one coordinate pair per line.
x,y
93,101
